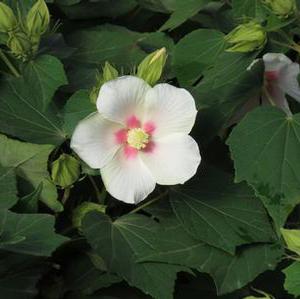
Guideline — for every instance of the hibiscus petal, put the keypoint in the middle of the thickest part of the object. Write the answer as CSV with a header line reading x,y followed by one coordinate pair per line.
x,y
122,99
289,81
127,178
277,96
95,140
170,109
274,62
173,160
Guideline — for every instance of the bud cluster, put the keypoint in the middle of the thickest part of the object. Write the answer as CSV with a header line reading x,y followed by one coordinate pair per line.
x,y
23,34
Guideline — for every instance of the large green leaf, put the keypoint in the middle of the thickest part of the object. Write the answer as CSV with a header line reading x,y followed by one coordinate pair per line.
x,y
25,102
248,8
230,272
31,234
8,187
81,275
216,211
78,10
225,89
183,10
121,242
30,163
292,279
115,44
265,149
195,52
78,107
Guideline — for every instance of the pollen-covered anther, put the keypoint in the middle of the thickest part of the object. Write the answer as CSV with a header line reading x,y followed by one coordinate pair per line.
x,y
137,138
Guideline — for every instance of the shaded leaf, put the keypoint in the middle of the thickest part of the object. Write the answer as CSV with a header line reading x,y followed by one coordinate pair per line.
x,y
25,102
8,187
264,147
31,234
292,279
121,242
216,211
30,163
195,52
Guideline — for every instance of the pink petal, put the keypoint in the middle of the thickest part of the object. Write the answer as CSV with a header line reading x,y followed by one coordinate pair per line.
x,y
133,122
130,152
121,136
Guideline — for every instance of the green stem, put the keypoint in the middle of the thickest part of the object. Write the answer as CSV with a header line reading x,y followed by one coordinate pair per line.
x,y
66,195
98,193
148,203
9,64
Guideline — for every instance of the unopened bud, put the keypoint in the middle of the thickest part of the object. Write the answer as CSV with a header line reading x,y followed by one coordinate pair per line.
x,y
246,38
8,21
19,45
282,8
108,73
86,207
65,171
151,68
38,18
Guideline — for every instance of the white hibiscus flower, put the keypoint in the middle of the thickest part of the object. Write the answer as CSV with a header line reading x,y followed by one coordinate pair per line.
x,y
139,137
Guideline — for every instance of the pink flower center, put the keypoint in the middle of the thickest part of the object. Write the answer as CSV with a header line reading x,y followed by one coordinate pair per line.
x,y
136,137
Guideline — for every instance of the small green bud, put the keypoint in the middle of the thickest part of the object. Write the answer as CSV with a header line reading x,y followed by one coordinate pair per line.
x,y
38,18
8,21
86,207
19,45
151,68
108,73
246,38
65,171
292,239
282,8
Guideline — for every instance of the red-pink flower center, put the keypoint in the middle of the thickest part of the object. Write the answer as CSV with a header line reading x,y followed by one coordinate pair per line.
x,y
136,137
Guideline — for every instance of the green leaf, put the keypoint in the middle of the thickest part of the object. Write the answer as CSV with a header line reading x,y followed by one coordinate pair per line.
x,y
92,9
30,164
183,11
196,52
264,147
248,8
292,279
116,44
25,102
121,242
31,234
8,187
230,272
292,239
77,108
225,89
82,276
29,202
222,214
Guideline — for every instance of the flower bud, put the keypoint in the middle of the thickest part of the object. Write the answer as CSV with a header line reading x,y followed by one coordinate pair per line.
x,y
246,38
282,8
151,68
65,171
38,18
83,209
108,73
8,21
19,45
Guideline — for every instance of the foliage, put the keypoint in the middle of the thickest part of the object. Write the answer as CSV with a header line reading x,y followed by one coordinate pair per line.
x,y
230,232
